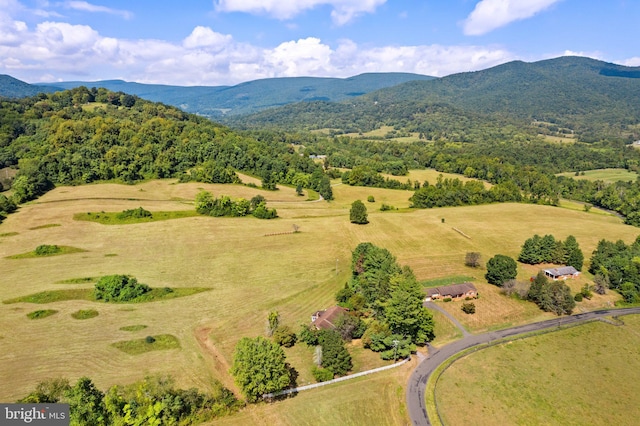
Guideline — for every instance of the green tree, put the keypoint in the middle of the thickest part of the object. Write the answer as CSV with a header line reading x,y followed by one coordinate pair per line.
x,y
501,268
284,336
49,391
574,256
358,213
273,321
335,356
405,313
119,288
259,367
86,404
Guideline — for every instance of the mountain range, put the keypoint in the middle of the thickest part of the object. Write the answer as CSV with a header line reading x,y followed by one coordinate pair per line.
x,y
570,95
253,96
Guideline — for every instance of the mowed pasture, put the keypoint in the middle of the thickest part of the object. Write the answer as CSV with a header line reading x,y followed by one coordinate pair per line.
x,y
249,274
606,175
588,374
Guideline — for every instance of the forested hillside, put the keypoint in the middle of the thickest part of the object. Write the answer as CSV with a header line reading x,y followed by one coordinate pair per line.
x,y
80,136
590,99
85,135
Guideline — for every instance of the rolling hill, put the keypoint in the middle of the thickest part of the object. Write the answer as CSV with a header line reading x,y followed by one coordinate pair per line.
x,y
257,95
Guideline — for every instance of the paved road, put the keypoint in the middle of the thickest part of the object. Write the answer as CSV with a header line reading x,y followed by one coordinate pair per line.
x,y
455,322
418,380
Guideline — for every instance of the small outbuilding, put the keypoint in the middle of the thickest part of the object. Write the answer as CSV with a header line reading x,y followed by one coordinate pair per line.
x,y
562,273
453,291
324,320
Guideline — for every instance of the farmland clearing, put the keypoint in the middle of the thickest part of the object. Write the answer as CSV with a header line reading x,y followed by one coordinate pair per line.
x,y
247,275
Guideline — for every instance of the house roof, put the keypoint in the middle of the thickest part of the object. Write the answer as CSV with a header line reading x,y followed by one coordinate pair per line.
x,y
564,270
326,318
453,289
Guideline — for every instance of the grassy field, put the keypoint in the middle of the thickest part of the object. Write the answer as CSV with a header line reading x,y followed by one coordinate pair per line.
x,y
248,275
588,374
606,175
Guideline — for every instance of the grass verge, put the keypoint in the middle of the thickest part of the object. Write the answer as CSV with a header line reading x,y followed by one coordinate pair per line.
x,y
111,218
454,279
83,280
139,346
41,313
88,294
136,327
62,250
48,225
85,314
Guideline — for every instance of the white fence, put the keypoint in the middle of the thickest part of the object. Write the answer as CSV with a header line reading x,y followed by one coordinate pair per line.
x,y
339,379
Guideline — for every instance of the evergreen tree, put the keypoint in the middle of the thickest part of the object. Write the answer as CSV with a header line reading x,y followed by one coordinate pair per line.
x,y
574,256
335,356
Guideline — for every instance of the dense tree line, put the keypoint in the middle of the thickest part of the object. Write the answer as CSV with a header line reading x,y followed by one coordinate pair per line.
x,y
454,192
153,401
207,204
617,265
547,249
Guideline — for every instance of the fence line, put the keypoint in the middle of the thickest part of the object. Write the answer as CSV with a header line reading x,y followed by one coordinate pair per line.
x,y
339,379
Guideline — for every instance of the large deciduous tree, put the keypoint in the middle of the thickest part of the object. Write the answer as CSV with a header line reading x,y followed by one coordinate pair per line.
x,y
259,367
501,268
358,213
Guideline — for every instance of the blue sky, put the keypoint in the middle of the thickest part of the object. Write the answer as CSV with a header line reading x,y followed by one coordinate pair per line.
x,y
223,42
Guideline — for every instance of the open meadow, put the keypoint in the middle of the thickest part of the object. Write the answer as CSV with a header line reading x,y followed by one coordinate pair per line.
x,y
605,175
588,374
248,273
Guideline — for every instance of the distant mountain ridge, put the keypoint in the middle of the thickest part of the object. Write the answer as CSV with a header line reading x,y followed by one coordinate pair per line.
x,y
11,87
256,95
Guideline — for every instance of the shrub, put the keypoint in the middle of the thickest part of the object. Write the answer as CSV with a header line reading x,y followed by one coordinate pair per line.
x,y
47,250
385,207
446,299
370,199
138,213
578,297
321,374
469,308
149,339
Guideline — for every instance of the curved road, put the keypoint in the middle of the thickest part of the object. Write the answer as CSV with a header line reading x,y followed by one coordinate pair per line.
x,y
418,380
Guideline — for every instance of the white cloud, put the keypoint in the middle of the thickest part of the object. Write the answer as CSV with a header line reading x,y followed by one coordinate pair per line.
x,y
343,11
205,37
632,62
88,7
206,57
491,14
